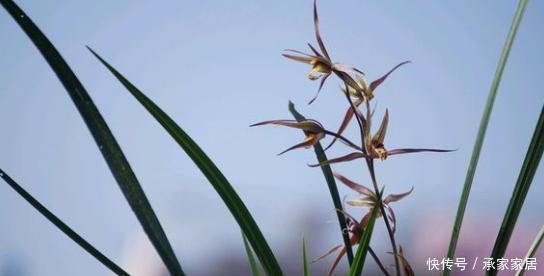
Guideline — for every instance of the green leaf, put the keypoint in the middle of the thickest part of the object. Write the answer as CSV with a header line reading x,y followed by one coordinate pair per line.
x,y
525,178
103,137
532,250
360,256
211,172
305,259
251,259
61,225
482,130
331,183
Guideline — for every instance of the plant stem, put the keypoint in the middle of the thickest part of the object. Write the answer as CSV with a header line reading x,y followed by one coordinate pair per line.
x,y
370,165
343,139
378,262
361,125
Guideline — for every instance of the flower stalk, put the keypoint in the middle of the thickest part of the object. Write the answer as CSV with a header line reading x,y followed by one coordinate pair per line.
x,y
372,147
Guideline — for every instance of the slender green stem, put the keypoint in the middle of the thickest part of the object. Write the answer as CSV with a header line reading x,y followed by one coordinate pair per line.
x,y
370,165
482,130
61,225
378,262
359,122
343,139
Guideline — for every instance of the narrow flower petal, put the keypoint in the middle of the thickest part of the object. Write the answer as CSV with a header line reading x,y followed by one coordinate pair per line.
x,y
348,157
308,142
343,126
408,271
379,137
328,253
354,186
403,151
316,52
306,125
345,77
391,217
396,197
344,140
336,261
317,34
379,81
319,88
302,59
347,69
366,218
362,203
298,52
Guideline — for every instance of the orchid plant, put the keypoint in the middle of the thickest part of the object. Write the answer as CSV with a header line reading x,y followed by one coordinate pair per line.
x,y
369,148
358,93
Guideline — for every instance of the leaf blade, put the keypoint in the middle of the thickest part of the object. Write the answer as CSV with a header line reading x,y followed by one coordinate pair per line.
x,y
359,261
521,189
532,250
331,183
210,171
250,258
306,268
61,225
104,138
482,130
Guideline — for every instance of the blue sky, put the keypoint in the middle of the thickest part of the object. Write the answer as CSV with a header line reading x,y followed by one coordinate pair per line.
x,y
216,68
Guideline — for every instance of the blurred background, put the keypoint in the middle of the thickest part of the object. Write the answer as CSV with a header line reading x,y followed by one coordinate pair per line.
x,y
216,68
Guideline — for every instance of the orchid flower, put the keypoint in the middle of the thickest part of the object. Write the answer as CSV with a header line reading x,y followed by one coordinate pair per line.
x,y
313,130
322,65
375,148
359,94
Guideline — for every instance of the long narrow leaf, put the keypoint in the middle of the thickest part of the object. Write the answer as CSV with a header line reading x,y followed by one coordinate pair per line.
x,y
482,130
360,256
211,172
251,258
61,225
525,178
532,250
103,137
306,268
331,183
